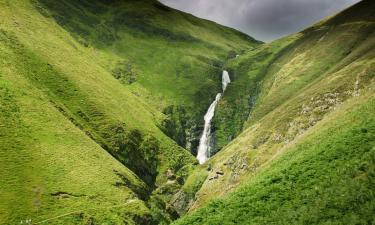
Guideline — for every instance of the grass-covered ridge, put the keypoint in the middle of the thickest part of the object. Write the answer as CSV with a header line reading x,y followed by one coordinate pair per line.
x,y
287,88
101,102
82,122
169,58
246,72
271,74
327,178
49,167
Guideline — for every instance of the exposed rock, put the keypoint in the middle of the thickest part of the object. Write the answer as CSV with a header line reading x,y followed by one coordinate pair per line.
x,y
229,162
170,175
171,181
180,180
216,176
234,176
220,172
277,138
209,167
181,202
63,194
172,211
312,112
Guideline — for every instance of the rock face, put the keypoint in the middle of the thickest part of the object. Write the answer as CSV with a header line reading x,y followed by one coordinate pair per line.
x,y
220,172
181,202
313,111
170,175
216,176
181,127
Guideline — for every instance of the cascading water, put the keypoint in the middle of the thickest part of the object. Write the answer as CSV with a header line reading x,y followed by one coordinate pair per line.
x,y
205,143
225,80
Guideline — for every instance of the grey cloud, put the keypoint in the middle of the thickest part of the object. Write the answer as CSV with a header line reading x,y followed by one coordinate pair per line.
x,y
265,20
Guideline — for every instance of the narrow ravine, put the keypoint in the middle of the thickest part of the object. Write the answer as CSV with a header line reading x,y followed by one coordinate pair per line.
x,y
205,143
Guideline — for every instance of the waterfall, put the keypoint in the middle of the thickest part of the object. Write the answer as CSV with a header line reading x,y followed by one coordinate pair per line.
x,y
225,80
205,143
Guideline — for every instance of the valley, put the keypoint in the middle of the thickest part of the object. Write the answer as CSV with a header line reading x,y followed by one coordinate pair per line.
x,y
131,112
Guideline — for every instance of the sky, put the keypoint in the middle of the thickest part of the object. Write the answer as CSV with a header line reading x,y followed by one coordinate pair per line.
x,y
265,20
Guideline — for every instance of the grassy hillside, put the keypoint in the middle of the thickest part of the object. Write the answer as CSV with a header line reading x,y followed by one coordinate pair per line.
x,y
170,59
101,102
247,72
271,74
326,178
287,87
83,120
49,167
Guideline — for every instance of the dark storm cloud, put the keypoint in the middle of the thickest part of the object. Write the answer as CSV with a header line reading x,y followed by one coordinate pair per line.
x,y
263,19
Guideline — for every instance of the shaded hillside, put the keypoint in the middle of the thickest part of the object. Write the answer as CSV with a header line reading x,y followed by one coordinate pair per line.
x,y
49,167
170,59
102,104
288,88
82,130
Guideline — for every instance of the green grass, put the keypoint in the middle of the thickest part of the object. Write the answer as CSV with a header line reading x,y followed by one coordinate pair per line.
x,y
326,178
176,59
98,99
302,78
246,72
83,79
267,76
44,157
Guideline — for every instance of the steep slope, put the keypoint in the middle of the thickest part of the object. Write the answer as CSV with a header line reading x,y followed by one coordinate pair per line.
x,y
67,101
289,87
273,73
97,98
170,59
326,178
49,167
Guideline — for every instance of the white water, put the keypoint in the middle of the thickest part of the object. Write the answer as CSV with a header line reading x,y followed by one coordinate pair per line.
x,y
225,80
205,144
